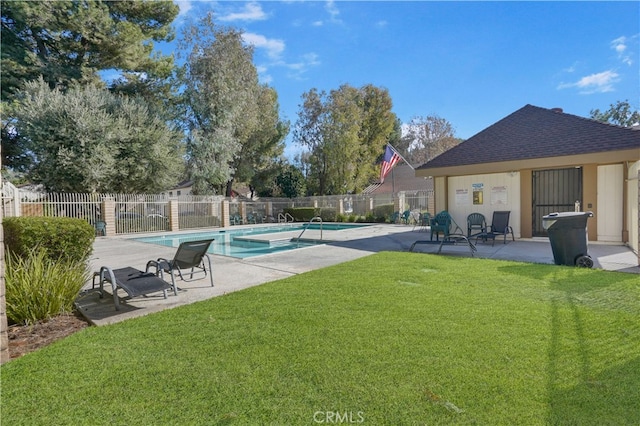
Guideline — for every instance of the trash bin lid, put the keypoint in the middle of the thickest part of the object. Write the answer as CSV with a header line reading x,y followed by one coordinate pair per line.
x,y
566,215
551,218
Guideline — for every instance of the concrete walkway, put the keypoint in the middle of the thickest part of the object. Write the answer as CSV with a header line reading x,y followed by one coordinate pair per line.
x,y
232,274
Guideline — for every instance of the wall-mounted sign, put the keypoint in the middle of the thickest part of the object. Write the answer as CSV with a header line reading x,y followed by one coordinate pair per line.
x,y
499,195
477,193
462,197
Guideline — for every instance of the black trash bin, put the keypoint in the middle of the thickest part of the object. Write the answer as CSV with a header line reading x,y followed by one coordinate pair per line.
x,y
568,237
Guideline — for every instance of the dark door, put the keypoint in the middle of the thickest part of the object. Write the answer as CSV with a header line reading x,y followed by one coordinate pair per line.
x,y
554,191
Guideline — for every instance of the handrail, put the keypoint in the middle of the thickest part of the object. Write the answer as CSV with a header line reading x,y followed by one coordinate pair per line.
x,y
284,217
306,227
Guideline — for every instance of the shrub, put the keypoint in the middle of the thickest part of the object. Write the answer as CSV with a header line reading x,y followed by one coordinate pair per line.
x,y
383,211
301,214
328,214
38,287
59,238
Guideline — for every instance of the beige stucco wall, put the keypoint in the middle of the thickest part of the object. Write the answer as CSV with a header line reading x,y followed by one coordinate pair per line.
x,y
500,191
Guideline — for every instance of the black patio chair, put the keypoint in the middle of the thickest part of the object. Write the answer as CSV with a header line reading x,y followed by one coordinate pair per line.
x,y
133,281
190,255
499,226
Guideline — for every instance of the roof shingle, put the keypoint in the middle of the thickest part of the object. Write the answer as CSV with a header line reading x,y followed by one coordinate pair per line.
x,y
533,132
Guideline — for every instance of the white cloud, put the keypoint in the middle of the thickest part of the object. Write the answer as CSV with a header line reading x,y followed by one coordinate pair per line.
x,y
251,12
595,83
333,11
621,47
317,23
297,69
381,24
274,47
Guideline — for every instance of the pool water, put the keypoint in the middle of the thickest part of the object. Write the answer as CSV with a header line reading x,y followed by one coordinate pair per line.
x,y
230,242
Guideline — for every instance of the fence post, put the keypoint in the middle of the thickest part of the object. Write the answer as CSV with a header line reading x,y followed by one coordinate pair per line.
x,y
174,216
17,207
225,222
268,210
109,215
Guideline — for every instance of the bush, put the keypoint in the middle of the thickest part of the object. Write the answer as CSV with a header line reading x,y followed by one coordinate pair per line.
x,y
301,214
38,287
327,214
59,238
383,211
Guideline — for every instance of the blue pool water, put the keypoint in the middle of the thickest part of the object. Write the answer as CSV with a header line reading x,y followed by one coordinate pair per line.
x,y
226,243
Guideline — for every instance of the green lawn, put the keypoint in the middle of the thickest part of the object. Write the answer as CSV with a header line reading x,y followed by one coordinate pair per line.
x,y
392,338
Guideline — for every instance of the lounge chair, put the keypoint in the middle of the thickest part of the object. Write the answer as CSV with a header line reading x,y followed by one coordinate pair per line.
x,y
190,255
133,281
499,226
476,222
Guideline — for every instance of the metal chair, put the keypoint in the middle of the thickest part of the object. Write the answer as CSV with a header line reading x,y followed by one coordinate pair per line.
x,y
499,226
190,255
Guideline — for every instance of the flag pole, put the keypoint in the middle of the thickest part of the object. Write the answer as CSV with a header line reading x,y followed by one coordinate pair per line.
x,y
401,157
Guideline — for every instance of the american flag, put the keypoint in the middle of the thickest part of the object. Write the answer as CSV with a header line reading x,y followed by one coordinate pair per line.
x,y
391,158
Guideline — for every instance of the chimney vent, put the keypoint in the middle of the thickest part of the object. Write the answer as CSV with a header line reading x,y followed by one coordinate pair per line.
x,y
556,110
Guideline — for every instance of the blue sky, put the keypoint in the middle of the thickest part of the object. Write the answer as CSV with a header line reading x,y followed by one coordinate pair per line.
x,y
472,63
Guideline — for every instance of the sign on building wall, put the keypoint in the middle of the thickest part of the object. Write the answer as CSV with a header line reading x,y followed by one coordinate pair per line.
x,y
462,197
477,193
499,195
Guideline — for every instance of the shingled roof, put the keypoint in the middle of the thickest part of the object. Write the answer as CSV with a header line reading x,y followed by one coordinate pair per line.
x,y
537,133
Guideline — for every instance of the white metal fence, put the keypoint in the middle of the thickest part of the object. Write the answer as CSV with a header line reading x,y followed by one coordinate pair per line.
x,y
133,213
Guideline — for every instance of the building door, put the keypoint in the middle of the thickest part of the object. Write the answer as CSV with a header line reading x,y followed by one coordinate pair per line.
x,y
554,190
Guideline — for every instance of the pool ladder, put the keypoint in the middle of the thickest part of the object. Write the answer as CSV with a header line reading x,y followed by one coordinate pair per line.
x,y
319,219
284,217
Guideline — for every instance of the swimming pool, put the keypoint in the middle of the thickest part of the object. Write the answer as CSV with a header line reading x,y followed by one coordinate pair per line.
x,y
238,242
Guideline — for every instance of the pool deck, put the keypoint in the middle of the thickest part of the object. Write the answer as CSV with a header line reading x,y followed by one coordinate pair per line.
x,y
231,274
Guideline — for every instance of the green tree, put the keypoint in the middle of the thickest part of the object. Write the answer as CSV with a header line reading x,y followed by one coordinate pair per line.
x,y
621,114
67,41
290,182
221,98
309,133
344,133
89,140
264,145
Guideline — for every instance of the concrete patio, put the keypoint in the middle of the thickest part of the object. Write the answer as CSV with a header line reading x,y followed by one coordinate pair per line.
x,y
231,274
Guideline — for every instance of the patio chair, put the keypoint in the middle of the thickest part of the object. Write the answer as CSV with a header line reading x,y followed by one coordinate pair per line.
x,y
499,226
406,216
394,217
190,255
133,281
101,228
236,219
476,222
424,218
441,223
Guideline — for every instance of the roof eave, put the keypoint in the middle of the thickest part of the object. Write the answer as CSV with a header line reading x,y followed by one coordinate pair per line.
x,y
535,163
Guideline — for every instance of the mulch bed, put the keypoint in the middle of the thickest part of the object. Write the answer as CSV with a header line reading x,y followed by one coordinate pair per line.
x,y
28,338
